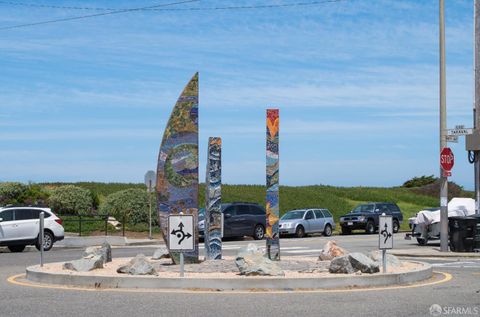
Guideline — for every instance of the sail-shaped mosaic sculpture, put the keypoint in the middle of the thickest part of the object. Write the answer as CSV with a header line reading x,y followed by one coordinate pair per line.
x,y
213,211
272,201
177,169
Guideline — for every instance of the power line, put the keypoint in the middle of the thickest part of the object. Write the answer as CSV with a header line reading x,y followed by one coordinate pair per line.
x,y
265,6
96,15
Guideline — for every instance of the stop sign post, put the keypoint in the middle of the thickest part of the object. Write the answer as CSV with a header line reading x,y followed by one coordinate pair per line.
x,y
446,161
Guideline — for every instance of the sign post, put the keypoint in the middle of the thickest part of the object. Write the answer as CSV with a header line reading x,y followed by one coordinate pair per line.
x,y
385,237
41,235
150,179
181,236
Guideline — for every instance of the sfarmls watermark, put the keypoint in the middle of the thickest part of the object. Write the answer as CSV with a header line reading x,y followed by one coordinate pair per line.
x,y
437,310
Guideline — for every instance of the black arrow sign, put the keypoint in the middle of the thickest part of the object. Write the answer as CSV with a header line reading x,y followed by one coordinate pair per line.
x,y
180,234
387,235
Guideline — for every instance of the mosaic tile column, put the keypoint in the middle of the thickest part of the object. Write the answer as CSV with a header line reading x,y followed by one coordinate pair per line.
x,y
272,201
213,209
177,169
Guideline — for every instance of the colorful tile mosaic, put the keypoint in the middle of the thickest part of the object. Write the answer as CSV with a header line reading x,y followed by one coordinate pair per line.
x,y
272,201
213,196
177,169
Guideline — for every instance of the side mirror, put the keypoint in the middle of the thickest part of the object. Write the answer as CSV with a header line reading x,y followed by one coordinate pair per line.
x,y
227,216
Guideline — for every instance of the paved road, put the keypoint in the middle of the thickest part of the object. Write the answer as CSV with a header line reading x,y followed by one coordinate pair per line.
x,y
459,295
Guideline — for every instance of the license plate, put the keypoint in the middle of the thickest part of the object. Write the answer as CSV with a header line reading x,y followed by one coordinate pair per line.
x,y
350,223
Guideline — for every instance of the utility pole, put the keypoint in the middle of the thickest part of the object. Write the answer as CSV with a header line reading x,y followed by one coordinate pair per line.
x,y
476,109
443,137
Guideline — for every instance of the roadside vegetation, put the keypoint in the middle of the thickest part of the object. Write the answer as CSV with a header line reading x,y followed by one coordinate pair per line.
x,y
130,201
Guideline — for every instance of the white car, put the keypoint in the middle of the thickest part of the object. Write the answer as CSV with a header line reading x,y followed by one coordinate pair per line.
x,y
19,227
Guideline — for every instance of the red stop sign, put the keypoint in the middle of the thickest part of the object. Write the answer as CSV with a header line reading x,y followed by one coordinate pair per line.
x,y
446,159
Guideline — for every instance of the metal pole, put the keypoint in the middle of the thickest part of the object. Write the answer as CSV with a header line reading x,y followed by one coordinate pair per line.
x,y
476,110
150,209
40,236
443,137
384,260
182,264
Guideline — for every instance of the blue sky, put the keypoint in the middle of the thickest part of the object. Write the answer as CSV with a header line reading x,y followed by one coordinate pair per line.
x,y
356,83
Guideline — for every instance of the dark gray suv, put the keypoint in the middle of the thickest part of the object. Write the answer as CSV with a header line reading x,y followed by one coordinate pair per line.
x,y
240,219
365,216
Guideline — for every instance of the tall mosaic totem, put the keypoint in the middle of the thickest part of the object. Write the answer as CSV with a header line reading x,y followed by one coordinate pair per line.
x,y
213,211
272,201
177,169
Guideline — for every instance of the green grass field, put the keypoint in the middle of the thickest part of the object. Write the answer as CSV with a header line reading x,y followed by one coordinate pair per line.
x,y
339,200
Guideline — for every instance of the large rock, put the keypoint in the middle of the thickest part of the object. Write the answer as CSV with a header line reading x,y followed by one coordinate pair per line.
x,y
331,250
139,265
89,263
105,251
361,262
250,261
341,264
392,260
161,253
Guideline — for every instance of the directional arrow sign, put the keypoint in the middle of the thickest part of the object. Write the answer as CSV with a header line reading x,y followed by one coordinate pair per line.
x,y
181,233
385,233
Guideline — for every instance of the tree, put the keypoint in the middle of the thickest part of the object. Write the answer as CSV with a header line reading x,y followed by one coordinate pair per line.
x,y
131,204
70,199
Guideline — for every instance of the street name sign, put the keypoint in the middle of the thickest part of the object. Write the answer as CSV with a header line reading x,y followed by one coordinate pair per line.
x,y
462,131
452,138
181,233
385,232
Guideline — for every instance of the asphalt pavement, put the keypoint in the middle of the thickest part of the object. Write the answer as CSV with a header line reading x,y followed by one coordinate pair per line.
x,y
458,294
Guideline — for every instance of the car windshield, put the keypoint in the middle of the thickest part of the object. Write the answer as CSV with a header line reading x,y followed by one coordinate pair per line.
x,y
363,208
295,214
201,214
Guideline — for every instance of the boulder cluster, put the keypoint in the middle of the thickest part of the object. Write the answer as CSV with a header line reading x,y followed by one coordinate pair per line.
x,y
344,262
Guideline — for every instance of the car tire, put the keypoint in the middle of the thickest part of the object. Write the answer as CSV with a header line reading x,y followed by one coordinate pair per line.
x,y
47,241
16,248
396,226
300,232
346,231
327,232
370,227
422,241
258,232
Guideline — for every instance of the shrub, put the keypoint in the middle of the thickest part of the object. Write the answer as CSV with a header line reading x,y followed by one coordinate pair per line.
x,y
131,204
70,199
420,181
12,193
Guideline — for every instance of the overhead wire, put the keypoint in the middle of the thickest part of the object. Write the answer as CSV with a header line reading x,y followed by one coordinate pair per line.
x,y
151,8
96,15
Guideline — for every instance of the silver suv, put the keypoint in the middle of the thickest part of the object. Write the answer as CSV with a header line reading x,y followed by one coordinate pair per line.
x,y
19,227
304,221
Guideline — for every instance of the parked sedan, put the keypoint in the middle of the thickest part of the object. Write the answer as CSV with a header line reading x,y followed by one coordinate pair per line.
x,y
305,221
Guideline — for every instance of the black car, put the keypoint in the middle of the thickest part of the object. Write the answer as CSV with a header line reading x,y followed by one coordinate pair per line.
x,y
240,219
365,217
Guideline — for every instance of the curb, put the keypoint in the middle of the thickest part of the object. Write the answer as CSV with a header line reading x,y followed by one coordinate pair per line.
x,y
245,283
438,255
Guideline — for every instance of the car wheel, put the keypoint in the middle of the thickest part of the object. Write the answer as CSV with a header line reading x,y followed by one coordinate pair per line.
x,y
327,231
16,248
300,232
422,241
47,242
346,231
396,226
259,232
370,228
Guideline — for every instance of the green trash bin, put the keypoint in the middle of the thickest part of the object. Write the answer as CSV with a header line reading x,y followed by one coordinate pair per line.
x,y
462,233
